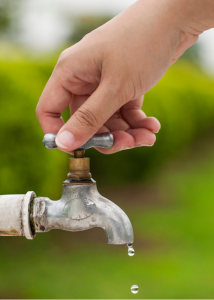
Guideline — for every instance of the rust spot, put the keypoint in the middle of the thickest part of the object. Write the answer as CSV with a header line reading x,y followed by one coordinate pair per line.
x,y
42,228
12,232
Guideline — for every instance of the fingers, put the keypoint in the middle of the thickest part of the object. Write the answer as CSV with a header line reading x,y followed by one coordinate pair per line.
x,y
53,101
136,118
116,123
142,137
131,112
67,79
122,141
130,139
150,123
139,129
89,113
89,118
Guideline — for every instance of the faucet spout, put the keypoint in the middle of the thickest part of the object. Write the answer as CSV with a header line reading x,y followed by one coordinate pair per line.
x,y
115,222
81,207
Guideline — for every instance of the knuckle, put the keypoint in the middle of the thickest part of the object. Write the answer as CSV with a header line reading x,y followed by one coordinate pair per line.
x,y
92,34
64,53
85,37
86,118
63,57
135,107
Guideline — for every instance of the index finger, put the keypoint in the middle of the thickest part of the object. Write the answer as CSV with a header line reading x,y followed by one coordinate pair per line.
x,y
53,101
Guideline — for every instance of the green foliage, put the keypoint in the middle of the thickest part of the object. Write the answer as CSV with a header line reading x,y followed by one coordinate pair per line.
x,y
8,12
25,164
85,24
4,15
192,54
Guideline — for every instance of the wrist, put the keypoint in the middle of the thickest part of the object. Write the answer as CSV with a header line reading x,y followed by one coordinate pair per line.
x,y
193,16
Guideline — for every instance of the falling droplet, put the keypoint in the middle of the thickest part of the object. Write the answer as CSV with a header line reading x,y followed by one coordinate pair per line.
x,y
130,250
134,289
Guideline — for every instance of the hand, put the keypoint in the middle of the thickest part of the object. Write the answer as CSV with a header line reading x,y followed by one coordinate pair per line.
x,y
103,77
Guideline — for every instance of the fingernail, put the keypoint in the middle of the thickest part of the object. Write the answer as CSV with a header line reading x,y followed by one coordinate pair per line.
x,y
124,148
65,140
144,145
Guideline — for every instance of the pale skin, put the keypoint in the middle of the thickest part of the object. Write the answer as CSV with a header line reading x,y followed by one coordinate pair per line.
x,y
103,77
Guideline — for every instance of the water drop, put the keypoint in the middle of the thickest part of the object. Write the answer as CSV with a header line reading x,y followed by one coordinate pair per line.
x,y
134,289
130,250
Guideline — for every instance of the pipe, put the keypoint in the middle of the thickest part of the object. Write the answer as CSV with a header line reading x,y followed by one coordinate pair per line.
x,y
14,215
81,207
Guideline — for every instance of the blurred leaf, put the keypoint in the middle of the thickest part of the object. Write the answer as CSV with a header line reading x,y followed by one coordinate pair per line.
x,y
192,54
85,24
9,9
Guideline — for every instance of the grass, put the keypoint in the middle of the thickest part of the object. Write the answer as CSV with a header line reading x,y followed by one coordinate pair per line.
x,y
174,242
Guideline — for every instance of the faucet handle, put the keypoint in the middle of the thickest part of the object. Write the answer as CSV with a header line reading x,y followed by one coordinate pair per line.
x,y
101,140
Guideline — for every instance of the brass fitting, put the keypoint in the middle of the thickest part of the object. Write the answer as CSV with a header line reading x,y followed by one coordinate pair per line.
x,y
79,166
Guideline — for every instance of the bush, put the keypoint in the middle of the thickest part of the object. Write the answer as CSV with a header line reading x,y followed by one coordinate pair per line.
x,y
25,163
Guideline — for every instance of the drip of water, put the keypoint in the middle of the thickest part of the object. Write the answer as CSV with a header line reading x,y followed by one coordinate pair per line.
x,y
134,289
130,250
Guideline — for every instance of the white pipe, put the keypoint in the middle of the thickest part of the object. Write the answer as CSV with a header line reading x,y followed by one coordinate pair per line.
x,y
15,215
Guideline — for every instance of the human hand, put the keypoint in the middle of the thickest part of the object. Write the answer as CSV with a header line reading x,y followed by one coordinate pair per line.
x,y
103,77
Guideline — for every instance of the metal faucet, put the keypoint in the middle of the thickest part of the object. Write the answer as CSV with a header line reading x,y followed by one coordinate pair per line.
x,y
81,206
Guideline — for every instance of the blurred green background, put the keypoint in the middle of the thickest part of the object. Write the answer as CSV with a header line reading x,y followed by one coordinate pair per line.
x,y
167,190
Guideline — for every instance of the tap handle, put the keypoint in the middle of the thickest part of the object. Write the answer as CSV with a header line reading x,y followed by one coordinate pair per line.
x,y
102,140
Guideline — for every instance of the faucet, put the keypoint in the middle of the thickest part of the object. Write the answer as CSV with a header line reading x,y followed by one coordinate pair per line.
x,y
81,207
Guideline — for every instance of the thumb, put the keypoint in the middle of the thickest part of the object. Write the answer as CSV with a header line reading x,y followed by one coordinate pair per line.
x,y
87,120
